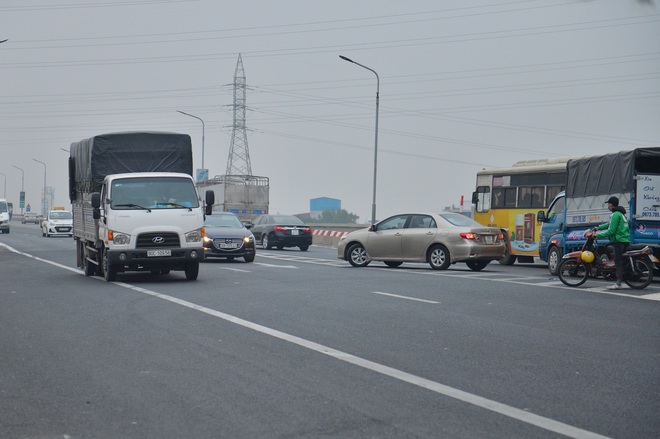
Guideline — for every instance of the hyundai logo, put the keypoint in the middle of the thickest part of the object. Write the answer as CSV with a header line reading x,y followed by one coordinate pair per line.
x,y
158,240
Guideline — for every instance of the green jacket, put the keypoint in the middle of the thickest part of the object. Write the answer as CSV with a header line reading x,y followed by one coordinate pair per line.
x,y
617,230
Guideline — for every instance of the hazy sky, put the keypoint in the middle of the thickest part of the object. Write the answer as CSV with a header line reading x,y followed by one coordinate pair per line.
x,y
464,84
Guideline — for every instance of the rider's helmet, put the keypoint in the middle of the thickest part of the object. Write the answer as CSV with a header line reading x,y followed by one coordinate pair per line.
x,y
588,257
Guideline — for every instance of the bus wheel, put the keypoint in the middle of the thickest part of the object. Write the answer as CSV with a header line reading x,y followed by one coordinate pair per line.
x,y
508,258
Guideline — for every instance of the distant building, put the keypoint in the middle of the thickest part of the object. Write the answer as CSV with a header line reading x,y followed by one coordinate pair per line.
x,y
318,205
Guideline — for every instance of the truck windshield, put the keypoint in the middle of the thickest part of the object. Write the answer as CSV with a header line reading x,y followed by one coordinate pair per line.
x,y
153,193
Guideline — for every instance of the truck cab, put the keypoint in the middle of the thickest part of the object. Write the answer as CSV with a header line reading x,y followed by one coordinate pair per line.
x,y
551,238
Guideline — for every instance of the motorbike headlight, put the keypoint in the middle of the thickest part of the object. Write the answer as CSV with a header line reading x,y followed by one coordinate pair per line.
x,y
194,236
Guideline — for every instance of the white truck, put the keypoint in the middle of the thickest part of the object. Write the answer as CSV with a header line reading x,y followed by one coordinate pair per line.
x,y
5,217
134,203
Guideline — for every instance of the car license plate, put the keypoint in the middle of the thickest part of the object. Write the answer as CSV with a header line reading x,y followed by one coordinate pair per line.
x,y
156,253
489,239
232,245
294,231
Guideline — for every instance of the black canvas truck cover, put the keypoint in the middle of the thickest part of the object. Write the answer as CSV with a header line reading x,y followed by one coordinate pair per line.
x,y
610,173
92,159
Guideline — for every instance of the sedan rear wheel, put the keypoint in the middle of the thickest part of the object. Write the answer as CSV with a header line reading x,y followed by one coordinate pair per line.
x,y
477,265
357,256
438,257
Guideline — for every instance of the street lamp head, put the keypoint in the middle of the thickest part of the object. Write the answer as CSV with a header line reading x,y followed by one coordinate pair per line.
x,y
346,59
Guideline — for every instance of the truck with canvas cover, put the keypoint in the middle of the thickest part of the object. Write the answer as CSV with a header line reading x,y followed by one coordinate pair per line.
x,y
134,204
631,176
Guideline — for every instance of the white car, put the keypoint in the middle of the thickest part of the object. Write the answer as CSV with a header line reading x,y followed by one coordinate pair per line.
x,y
57,222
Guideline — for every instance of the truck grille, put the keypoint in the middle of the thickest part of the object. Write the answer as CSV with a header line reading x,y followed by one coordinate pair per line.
x,y
152,240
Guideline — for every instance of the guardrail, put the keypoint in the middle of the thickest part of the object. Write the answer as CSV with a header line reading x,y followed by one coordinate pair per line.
x,y
330,234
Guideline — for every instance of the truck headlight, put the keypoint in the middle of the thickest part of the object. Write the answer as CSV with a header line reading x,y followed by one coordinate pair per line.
x,y
121,238
194,236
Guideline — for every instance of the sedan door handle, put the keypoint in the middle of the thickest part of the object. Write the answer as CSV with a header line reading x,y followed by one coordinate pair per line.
x,y
397,234
430,233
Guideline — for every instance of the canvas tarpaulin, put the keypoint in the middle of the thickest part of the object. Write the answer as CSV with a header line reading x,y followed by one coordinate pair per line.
x,y
118,153
610,173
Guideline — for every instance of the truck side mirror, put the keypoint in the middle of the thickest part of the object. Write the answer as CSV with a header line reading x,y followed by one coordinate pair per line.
x,y
210,201
96,204
540,216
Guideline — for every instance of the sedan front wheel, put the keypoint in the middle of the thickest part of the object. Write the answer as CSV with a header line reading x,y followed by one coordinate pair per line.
x,y
357,256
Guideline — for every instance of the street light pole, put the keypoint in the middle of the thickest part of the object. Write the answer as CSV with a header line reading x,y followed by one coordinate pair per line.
x,y
5,186
44,204
373,205
22,185
200,119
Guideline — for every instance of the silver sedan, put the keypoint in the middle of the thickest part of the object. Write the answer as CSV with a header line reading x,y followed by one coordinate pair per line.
x,y
439,239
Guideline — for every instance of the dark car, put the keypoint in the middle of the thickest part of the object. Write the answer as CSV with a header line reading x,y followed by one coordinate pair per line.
x,y
282,231
227,237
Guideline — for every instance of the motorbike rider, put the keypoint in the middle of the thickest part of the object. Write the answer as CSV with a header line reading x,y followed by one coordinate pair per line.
x,y
618,232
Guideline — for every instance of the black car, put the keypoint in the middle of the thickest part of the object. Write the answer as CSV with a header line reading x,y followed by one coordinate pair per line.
x,y
227,237
282,231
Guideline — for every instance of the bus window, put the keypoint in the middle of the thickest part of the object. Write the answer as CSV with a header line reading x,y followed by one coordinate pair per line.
x,y
531,197
510,197
482,199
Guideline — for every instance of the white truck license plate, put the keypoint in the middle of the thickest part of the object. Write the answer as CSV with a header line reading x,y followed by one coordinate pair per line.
x,y
152,253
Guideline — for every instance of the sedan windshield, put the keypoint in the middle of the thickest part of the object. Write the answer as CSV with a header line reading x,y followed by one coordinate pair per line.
x,y
229,221
60,215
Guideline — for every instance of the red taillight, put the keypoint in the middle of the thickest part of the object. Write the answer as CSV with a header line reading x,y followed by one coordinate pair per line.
x,y
279,229
307,230
500,237
469,235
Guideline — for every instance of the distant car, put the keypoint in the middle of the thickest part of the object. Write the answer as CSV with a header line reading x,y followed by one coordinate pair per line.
x,y
31,218
282,231
56,223
439,239
227,237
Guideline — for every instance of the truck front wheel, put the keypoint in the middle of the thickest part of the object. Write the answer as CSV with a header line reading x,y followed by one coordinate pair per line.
x,y
109,272
554,258
192,271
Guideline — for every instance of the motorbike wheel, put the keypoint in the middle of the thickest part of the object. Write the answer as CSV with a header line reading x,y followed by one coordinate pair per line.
x,y
640,276
572,272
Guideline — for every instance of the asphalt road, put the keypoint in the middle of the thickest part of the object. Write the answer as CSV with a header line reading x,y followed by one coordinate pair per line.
x,y
301,345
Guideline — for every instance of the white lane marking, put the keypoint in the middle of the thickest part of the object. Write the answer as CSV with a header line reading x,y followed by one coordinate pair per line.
x,y
275,265
236,269
469,398
404,297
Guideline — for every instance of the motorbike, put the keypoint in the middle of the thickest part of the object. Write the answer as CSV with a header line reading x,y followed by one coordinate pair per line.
x,y
576,267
